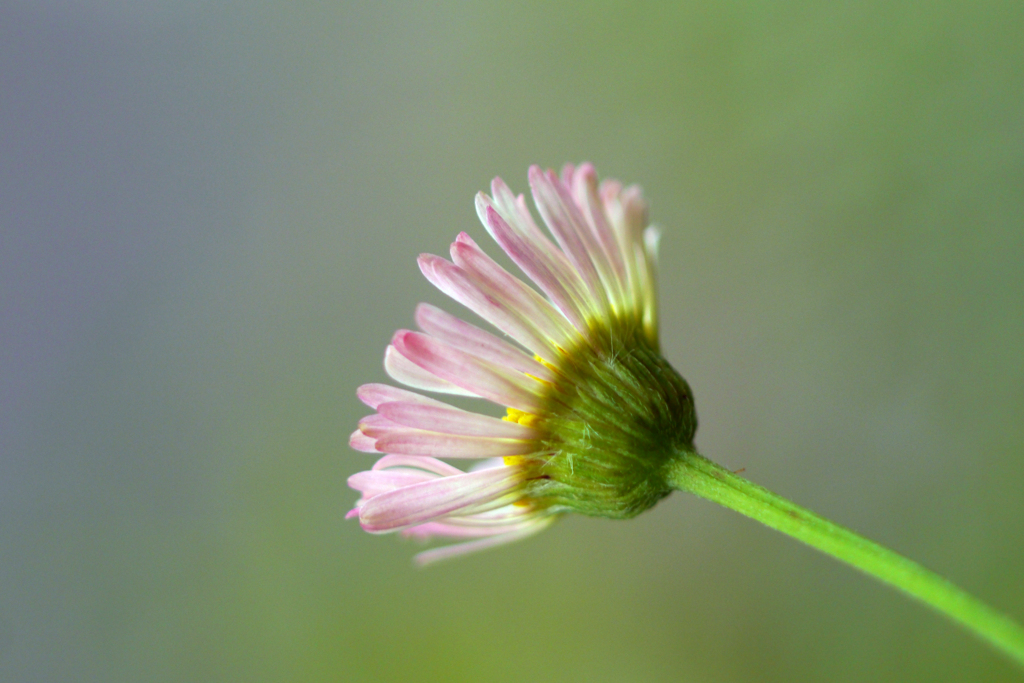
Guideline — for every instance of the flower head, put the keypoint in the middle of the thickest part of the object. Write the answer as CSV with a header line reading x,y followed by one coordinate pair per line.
x,y
593,412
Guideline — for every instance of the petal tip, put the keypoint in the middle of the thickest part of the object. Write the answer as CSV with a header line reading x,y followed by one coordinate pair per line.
x,y
361,442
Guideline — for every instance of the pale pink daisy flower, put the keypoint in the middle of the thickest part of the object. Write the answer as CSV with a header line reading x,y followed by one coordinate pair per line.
x,y
597,421
593,410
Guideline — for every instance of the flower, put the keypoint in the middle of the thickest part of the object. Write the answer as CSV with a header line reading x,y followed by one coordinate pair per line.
x,y
593,411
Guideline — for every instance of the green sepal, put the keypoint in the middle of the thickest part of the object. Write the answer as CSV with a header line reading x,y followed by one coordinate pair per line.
x,y
615,415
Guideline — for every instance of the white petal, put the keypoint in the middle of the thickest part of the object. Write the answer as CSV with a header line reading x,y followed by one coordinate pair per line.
x,y
405,371
428,500
610,265
497,384
565,222
447,552
375,394
417,442
472,339
532,307
449,420
542,262
456,283
361,442
430,464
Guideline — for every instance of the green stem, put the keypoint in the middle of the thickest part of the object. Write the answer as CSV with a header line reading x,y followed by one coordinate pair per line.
x,y
698,475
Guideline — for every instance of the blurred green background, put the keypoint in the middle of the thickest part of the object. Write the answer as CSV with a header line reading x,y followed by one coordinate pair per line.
x,y
209,218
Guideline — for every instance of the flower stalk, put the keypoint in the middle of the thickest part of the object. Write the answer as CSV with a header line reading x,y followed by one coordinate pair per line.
x,y
696,474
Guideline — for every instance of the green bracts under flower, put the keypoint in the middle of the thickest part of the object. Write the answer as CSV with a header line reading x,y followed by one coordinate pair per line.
x,y
615,414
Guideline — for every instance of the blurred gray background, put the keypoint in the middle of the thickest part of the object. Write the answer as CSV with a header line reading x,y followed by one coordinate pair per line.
x,y
209,218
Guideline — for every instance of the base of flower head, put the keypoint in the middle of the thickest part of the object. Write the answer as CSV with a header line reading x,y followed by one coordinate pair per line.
x,y
613,416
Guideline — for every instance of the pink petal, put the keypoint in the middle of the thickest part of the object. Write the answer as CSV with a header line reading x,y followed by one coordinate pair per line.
x,y
568,173
405,371
634,209
550,322
471,339
448,420
627,214
566,223
429,464
375,394
457,284
497,384
610,266
375,421
464,525
513,209
440,530
609,190
536,256
361,442
447,552
428,500
372,483
418,442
